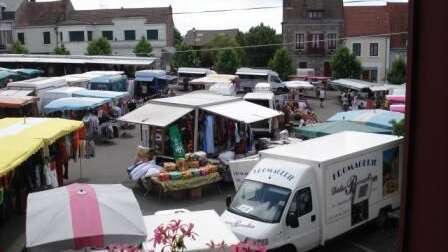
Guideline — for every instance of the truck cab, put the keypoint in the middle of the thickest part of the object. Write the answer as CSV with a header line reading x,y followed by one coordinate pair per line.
x,y
277,205
249,77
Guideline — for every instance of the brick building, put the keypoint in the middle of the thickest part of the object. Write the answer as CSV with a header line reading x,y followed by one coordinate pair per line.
x,y
311,31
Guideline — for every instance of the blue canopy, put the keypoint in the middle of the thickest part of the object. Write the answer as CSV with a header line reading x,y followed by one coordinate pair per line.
x,y
328,128
373,117
100,94
30,71
74,103
108,79
150,75
110,82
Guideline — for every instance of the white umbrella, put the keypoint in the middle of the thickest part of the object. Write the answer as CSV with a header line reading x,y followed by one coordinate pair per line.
x,y
83,216
298,84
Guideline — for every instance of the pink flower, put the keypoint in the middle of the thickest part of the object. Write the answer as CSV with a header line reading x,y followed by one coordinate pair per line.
x,y
187,231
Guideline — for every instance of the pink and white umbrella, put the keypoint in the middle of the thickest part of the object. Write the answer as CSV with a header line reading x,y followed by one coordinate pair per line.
x,y
83,216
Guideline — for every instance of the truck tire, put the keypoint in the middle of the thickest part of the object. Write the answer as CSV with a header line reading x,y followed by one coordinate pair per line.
x,y
383,218
286,248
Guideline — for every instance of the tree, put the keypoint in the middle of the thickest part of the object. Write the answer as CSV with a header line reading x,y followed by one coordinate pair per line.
x,y
260,35
185,57
282,63
345,65
227,61
99,47
61,50
399,128
397,74
178,39
18,48
209,57
143,48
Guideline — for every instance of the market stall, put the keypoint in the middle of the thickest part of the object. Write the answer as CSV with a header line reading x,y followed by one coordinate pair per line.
x,y
117,83
151,84
373,117
18,106
328,128
35,154
210,123
209,80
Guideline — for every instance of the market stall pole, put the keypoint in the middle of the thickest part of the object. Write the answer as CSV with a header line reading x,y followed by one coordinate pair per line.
x,y
196,129
81,216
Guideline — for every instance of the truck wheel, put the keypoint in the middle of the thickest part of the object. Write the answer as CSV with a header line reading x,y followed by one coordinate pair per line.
x,y
382,219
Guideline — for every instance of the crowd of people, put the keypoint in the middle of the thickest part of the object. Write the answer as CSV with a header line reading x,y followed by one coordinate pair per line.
x,y
352,100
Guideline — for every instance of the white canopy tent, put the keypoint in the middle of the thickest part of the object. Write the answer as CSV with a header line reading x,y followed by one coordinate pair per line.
x,y
353,84
164,111
157,115
297,84
214,78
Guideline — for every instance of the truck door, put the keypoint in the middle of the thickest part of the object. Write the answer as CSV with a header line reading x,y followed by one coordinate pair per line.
x,y
304,206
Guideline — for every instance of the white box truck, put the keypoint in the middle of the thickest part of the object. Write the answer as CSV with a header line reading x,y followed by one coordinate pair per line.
x,y
298,196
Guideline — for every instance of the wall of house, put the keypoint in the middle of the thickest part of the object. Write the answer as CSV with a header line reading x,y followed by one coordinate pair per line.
x,y
119,45
34,39
381,62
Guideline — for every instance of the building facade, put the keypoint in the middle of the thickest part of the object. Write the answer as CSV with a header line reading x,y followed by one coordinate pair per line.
x,y
311,32
377,35
7,17
43,26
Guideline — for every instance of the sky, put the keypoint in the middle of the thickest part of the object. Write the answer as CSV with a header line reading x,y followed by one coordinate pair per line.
x,y
242,20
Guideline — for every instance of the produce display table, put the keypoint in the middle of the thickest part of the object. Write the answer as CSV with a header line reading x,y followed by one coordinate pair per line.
x,y
184,184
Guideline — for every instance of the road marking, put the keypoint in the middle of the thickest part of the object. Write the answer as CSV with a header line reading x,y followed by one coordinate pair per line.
x,y
357,245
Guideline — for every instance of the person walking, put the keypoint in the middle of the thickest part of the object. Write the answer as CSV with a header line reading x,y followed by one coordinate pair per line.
x,y
322,97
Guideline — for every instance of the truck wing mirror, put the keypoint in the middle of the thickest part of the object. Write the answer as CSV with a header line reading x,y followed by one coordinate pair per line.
x,y
292,220
228,201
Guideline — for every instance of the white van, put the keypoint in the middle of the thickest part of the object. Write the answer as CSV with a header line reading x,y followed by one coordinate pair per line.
x,y
298,196
249,77
38,86
265,99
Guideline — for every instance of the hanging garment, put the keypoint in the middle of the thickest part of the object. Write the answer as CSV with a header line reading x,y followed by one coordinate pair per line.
x,y
237,134
176,142
209,135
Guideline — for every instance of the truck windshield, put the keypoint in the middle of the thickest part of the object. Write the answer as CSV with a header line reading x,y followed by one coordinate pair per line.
x,y
260,201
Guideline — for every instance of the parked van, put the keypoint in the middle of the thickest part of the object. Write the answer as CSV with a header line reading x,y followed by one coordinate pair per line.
x,y
38,86
265,99
298,196
187,74
249,77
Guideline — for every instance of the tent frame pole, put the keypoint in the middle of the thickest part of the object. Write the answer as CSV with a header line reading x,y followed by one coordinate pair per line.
x,y
196,129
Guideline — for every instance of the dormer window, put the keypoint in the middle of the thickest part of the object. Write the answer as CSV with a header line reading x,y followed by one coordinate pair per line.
x,y
315,14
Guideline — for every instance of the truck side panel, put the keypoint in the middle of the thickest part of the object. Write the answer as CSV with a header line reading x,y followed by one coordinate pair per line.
x,y
358,188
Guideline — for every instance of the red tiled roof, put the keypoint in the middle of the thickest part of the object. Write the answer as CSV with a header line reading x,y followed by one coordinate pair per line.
x,y
39,13
366,20
374,20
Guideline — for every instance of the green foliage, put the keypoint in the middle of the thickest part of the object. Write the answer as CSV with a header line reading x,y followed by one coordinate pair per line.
x,y
18,48
184,57
260,35
397,74
282,63
345,64
99,47
177,37
399,128
143,48
227,61
61,50
210,58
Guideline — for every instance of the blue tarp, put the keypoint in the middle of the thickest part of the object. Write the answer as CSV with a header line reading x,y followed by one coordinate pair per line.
x,y
110,82
373,117
100,94
328,128
74,103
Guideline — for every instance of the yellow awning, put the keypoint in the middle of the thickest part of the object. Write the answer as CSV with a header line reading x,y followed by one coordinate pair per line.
x,y
20,138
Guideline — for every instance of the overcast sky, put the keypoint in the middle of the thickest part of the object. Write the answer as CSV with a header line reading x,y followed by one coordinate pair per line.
x,y
242,20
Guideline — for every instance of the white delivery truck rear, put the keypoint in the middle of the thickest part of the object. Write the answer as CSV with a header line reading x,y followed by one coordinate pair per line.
x,y
298,196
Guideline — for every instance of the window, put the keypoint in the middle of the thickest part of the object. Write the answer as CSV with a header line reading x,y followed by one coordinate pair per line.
x,y
302,202
316,40
300,41
373,49
331,40
89,35
47,39
109,35
152,34
303,64
61,37
129,35
21,37
315,14
357,49
76,36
